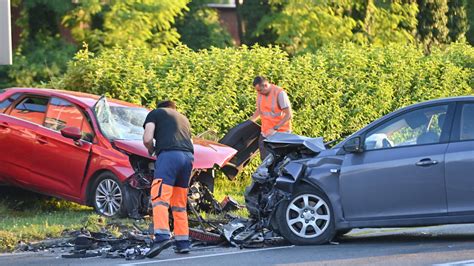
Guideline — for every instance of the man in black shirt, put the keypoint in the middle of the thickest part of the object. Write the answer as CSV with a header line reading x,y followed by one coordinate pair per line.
x,y
174,151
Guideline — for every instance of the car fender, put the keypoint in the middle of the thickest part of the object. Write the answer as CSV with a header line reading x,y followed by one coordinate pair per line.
x,y
323,174
102,160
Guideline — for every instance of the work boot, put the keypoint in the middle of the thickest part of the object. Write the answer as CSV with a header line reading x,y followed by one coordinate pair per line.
x,y
157,247
182,246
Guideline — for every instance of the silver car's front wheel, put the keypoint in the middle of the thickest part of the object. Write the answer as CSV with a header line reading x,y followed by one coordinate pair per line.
x,y
108,196
307,218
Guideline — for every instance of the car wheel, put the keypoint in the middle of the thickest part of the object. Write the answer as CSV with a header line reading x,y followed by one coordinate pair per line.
x,y
307,218
108,196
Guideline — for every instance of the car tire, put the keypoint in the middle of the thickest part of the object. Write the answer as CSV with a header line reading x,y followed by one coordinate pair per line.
x,y
108,196
306,218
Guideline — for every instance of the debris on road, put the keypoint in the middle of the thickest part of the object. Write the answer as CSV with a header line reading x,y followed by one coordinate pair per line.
x,y
132,242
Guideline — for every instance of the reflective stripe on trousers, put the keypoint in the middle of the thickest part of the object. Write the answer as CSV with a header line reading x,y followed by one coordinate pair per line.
x,y
163,196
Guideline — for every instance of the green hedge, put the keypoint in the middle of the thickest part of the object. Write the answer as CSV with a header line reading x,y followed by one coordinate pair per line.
x,y
334,92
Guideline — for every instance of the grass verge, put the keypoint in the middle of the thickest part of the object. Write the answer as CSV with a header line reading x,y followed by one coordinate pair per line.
x,y
28,217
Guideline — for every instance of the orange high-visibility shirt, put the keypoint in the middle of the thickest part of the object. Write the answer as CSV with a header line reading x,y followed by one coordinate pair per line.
x,y
270,112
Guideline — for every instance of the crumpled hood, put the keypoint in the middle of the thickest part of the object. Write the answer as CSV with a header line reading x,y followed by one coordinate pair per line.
x,y
206,153
314,144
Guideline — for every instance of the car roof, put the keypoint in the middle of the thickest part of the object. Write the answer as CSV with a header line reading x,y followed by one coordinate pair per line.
x,y
84,98
444,100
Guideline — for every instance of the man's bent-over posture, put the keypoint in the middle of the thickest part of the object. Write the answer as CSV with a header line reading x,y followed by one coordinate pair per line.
x,y
174,151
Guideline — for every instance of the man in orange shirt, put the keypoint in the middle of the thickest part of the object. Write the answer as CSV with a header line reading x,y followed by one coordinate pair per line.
x,y
273,108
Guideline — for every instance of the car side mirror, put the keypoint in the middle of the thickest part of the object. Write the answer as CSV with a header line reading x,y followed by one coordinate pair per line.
x,y
353,145
71,133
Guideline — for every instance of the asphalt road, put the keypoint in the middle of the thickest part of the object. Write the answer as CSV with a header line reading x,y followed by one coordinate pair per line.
x,y
446,245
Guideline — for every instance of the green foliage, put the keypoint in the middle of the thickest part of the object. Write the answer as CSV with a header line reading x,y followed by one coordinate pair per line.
x,y
334,91
38,61
394,23
200,27
42,52
307,25
251,13
457,20
432,20
126,22
470,18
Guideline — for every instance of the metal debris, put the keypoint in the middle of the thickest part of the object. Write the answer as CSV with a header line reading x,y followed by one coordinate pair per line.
x,y
133,242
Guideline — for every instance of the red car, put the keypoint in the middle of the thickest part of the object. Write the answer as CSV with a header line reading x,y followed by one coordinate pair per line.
x,y
88,149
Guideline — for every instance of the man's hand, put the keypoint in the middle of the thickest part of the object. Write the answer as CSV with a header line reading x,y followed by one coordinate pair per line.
x,y
271,132
151,152
255,116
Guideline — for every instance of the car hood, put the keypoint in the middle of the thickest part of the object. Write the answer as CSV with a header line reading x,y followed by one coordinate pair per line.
x,y
314,144
206,153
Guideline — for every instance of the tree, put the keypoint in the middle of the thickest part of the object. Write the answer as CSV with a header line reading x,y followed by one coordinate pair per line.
x,y
200,27
390,23
457,20
306,25
250,14
432,20
470,16
107,23
42,52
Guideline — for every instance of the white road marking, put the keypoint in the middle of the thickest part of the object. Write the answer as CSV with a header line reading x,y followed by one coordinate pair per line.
x,y
205,256
463,262
15,254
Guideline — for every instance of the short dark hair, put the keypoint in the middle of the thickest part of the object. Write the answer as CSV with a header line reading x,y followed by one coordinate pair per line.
x,y
258,80
166,104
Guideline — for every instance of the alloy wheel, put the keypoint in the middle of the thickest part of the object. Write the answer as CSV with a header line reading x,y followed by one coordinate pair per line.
x,y
308,216
108,197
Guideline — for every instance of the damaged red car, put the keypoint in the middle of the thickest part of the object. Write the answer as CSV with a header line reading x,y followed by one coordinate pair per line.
x,y
88,149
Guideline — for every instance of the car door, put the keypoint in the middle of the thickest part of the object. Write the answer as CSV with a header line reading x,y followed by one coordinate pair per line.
x,y
6,136
460,161
400,173
243,138
17,133
59,162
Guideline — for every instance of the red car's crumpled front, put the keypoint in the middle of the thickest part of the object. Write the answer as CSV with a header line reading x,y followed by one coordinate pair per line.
x,y
207,154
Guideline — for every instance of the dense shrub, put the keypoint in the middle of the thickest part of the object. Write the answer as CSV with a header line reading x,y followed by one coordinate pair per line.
x,y
334,91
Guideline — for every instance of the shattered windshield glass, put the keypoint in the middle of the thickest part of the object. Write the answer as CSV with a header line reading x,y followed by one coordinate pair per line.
x,y
120,122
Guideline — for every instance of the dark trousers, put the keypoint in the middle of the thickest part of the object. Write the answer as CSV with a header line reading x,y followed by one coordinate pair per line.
x,y
263,152
169,191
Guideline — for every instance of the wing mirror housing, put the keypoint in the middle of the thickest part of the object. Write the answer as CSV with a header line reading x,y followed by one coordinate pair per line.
x,y
353,145
73,133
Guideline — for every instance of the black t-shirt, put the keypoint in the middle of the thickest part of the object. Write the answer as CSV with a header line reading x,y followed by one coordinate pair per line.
x,y
172,130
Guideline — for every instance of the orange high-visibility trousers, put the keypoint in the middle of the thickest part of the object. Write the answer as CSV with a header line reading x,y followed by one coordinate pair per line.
x,y
170,190
163,197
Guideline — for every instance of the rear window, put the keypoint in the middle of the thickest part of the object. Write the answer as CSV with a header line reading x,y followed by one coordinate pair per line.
x,y
4,104
31,108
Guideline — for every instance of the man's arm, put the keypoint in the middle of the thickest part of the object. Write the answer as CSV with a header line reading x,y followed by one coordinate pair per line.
x,y
285,105
288,115
148,137
255,116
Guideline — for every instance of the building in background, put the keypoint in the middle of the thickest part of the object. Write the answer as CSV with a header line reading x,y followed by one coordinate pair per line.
x,y
227,10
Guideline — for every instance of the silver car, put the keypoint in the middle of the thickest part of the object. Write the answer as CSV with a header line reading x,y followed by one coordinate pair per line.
x,y
412,167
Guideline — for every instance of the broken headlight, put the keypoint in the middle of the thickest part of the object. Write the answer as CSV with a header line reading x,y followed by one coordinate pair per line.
x,y
262,174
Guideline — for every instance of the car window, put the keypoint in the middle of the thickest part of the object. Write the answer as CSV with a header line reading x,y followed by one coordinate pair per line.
x,y
467,122
421,126
31,108
8,101
62,113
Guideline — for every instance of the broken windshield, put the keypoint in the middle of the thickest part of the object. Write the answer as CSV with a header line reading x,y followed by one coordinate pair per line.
x,y
120,122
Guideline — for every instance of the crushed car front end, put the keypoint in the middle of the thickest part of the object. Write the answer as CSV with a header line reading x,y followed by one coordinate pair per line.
x,y
295,188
